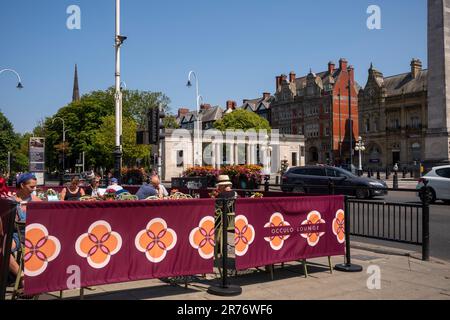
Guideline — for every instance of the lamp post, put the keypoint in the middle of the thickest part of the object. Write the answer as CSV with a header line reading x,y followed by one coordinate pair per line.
x,y
19,84
197,131
64,142
360,147
119,39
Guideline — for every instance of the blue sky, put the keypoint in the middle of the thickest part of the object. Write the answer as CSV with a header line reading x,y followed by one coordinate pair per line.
x,y
236,47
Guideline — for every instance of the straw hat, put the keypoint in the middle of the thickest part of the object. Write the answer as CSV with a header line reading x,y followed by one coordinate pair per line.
x,y
224,181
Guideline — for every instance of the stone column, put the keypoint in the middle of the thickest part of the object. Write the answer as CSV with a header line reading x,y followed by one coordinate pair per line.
x,y
437,146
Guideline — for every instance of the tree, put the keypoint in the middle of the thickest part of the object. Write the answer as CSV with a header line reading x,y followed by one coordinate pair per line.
x,y
103,142
170,122
83,120
8,141
242,120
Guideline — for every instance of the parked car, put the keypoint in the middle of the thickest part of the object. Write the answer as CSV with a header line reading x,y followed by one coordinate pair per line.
x,y
316,179
349,168
438,186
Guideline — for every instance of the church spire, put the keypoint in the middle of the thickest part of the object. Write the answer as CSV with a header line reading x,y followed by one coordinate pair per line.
x,y
76,89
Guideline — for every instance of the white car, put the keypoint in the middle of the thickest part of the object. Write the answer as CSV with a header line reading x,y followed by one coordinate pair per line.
x,y
438,187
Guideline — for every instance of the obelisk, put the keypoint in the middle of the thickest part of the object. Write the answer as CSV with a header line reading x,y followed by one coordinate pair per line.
x,y
437,147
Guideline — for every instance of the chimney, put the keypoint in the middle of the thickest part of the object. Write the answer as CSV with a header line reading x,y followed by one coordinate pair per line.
x,y
205,107
231,105
278,82
182,112
266,95
292,77
343,64
331,67
416,67
351,73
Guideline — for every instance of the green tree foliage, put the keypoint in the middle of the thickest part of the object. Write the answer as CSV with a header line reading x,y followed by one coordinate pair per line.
x,y
170,122
8,141
242,120
85,118
103,142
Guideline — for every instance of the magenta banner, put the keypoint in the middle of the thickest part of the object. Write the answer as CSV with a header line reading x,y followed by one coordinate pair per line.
x,y
78,244
275,230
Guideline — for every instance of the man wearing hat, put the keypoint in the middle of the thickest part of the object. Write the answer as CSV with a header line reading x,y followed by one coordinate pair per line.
x,y
224,185
115,185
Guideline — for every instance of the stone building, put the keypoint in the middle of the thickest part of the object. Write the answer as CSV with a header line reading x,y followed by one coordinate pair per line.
x,y
323,107
260,106
178,152
393,116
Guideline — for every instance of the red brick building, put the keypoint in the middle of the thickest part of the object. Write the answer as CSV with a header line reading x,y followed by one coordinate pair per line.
x,y
317,106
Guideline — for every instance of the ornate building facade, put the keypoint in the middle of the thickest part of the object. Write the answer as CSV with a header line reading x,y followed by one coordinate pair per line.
x,y
393,117
323,107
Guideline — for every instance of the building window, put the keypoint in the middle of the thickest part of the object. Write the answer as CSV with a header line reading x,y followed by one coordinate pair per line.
x,y
367,125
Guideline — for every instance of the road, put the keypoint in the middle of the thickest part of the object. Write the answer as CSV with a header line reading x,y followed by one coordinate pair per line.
x,y
439,226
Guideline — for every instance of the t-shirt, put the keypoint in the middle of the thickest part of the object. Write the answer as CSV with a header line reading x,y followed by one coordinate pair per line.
x,y
115,187
146,191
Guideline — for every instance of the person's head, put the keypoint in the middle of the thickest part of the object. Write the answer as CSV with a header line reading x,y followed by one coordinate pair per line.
x,y
114,181
224,183
3,187
75,182
26,183
95,182
155,181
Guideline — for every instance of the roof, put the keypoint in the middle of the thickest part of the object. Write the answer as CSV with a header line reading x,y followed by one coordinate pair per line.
x,y
208,115
405,83
254,104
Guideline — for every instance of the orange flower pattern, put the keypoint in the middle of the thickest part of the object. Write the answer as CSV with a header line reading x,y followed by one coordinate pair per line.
x,y
313,218
156,240
98,244
244,234
40,249
202,238
276,241
339,226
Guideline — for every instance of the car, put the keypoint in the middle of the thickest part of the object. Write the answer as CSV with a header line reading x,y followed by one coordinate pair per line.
x,y
438,184
316,180
347,167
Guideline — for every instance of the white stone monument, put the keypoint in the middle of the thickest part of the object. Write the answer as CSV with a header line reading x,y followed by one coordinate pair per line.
x,y
437,147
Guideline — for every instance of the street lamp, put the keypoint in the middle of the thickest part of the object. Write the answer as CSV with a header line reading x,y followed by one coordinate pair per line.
x,y
119,40
197,131
19,84
360,147
64,141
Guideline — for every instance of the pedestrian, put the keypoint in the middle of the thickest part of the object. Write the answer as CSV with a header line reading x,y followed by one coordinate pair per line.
x,y
160,189
114,185
73,192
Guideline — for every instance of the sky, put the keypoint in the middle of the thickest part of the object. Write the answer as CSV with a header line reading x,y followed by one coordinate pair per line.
x,y
236,47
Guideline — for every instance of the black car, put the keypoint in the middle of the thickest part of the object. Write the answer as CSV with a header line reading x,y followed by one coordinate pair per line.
x,y
317,179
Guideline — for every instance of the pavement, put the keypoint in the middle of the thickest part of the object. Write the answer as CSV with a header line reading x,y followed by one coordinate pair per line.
x,y
402,276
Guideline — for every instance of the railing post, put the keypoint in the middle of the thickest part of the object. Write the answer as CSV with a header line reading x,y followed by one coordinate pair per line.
x,y
347,266
266,183
330,186
395,185
225,289
387,174
426,229
378,175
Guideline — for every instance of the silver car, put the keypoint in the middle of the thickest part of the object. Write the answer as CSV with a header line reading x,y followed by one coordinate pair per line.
x,y
438,187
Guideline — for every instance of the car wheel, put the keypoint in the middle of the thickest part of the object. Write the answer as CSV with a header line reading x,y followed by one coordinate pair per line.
x,y
298,189
361,193
429,194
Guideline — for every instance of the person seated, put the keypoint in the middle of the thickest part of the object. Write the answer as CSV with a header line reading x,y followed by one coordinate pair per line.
x,y
146,190
224,188
92,190
114,185
26,186
160,189
73,192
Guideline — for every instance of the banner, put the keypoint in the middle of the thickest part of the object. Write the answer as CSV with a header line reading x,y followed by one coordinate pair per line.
x,y
275,230
37,158
79,244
